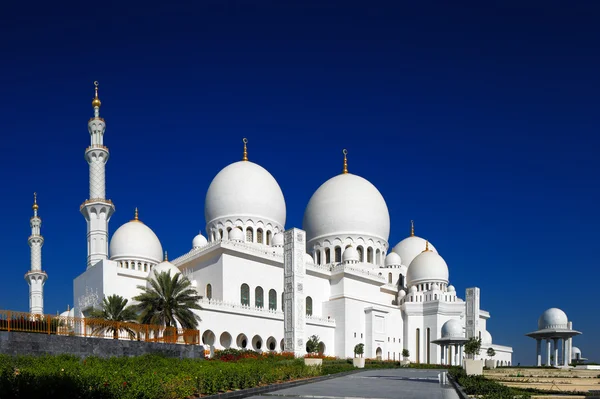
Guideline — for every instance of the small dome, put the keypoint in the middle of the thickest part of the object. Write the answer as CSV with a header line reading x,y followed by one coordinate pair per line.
x,y
278,240
553,318
164,266
410,248
350,255
308,259
452,329
245,190
346,204
413,289
574,352
135,240
199,241
236,234
393,259
451,288
401,294
486,338
427,267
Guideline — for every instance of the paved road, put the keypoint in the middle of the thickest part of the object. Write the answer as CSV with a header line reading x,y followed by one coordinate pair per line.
x,y
374,384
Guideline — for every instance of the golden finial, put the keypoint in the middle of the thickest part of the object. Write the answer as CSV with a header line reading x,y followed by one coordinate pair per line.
x,y
166,257
68,307
412,228
426,245
96,101
245,157
345,152
35,205
135,216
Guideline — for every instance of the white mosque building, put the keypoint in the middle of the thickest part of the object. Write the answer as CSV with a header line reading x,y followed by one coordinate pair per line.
x,y
350,287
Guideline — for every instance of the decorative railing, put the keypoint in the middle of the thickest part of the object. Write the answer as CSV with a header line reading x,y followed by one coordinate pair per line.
x,y
375,273
89,201
254,248
239,307
97,328
97,146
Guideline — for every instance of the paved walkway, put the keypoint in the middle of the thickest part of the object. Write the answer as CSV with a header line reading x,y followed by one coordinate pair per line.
x,y
374,384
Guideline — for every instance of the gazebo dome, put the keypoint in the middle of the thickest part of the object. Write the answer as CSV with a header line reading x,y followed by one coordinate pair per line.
x,y
486,338
574,352
277,240
350,255
553,318
199,241
308,259
393,259
452,329
236,234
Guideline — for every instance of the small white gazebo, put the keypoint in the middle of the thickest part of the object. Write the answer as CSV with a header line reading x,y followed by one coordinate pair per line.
x,y
453,337
554,325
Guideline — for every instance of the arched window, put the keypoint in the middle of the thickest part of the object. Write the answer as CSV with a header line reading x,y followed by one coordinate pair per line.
x,y
258,297
378,257
249,235
269,237
221,234
390,278
428,348
327,256
361,256
259,236
209,291
245,294
308,306
282,301
369,255
418,346
338,254
318,257
401,281
272,300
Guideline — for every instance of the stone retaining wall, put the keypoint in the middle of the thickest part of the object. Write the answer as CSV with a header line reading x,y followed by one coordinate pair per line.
x,y
19,343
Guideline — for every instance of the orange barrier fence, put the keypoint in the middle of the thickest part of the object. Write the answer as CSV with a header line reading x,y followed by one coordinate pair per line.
x,y
88,327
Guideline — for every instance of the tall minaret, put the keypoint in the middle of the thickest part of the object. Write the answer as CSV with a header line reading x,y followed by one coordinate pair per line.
x,y
97,210
36,277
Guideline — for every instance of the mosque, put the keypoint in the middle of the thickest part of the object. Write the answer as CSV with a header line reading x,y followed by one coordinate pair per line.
x,y
355,287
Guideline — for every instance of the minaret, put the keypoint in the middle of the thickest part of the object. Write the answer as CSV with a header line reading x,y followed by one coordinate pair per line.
x,y
97,210
36,277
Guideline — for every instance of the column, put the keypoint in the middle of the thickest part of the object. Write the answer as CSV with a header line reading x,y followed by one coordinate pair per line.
x,y
457,359
443,355
294,248
539,351
564,353
548,350
556,362
460,357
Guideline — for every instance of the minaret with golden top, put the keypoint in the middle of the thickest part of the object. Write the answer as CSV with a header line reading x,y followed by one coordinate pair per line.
x,y
97,210
35,277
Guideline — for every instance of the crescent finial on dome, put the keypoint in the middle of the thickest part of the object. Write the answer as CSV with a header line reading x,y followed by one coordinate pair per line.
x,y
35,205
412,228
426,245
345,152
166,257
96,101
245,157
135,216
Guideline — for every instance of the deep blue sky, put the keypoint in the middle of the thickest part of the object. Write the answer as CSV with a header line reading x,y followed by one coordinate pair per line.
x,y
480,122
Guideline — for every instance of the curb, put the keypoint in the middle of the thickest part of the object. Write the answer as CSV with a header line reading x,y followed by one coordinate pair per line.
x,y
244,393
459,390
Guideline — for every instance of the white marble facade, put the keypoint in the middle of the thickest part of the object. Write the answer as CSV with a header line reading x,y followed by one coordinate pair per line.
x,y
353,288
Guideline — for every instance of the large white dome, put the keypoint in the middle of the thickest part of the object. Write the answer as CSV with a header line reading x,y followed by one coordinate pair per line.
x,y
163,267
553,318
410,247
346,204
245,190
135,240
452,329
427,267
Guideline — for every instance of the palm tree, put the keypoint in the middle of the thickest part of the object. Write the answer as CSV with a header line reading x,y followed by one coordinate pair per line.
x,y
114,308
168,301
